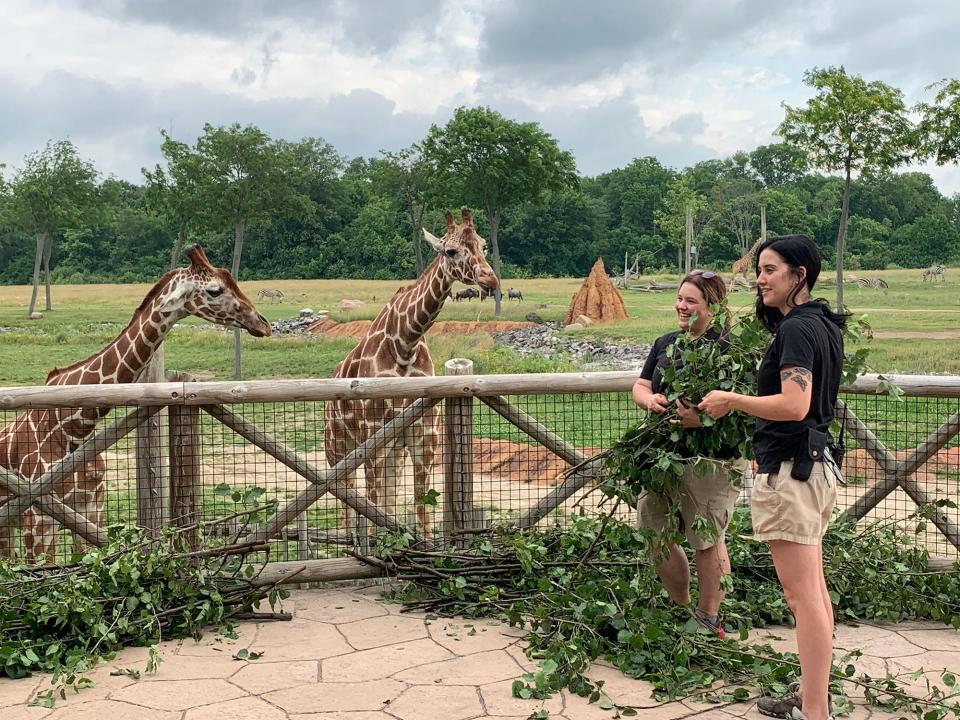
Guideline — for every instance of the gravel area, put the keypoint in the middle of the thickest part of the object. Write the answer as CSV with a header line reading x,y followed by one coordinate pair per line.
x,y
547,340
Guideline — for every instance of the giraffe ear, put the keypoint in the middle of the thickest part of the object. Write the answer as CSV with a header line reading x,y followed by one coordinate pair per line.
x,y
435,242
198,258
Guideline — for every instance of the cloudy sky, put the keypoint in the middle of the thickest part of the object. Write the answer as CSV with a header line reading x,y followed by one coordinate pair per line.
x,y
684,80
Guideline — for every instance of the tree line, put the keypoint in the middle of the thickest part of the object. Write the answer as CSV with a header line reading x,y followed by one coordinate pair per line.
x,y
282,209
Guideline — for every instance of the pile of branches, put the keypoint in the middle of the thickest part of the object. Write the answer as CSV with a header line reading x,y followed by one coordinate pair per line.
x,y
589,591
63,619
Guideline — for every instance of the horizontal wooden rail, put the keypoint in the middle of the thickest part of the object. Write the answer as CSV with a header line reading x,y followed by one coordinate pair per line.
x,y
216,393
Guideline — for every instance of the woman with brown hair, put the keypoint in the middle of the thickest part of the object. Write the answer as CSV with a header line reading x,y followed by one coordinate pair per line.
x,y
707,489
796,483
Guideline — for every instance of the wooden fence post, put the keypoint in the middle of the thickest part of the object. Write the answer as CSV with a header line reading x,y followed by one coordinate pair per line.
x,y
185,449
153,510
459,512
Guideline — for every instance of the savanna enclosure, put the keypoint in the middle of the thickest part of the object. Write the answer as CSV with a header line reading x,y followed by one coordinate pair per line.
x,y
514,464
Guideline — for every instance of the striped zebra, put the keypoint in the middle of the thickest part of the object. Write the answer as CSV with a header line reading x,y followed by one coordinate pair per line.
x,y
270,293
875,283
934,272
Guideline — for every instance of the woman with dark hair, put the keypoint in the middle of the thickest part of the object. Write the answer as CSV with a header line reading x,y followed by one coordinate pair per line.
x,y
707,490
795,489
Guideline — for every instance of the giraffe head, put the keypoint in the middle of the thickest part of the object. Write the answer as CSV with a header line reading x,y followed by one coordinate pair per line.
x,y
462,251
210,293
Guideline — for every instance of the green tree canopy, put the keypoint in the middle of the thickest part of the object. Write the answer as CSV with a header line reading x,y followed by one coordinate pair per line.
x,y
849,125
51,193
939,128
175,192
485,160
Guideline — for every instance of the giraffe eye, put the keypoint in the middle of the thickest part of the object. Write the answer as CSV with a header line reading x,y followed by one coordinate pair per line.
x,y
214,291
450,252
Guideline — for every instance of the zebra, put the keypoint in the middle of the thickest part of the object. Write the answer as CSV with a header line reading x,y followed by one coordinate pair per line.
x,y
875,283
270,293
934,272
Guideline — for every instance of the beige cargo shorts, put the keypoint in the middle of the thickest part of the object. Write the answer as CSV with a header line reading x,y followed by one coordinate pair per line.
x,y
709,491
783,508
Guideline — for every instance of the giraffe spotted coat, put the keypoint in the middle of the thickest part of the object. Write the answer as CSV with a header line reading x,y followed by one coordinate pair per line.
x,y
394,347
38,439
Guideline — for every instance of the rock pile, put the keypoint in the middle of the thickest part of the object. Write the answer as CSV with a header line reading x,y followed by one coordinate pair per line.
x,y
597,298
547,340
298,325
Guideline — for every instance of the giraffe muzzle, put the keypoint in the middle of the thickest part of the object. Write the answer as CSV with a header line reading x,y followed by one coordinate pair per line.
x,y
260,327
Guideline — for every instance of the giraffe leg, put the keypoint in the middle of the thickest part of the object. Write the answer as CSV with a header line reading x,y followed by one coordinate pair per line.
x,y
423,442
89,497
39,537
334,455
7,548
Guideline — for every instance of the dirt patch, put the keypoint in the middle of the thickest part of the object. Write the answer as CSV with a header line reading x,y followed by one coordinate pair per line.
x,y
448,328
521,462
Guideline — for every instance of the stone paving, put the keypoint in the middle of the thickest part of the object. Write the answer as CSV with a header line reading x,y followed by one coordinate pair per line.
x,y
346,655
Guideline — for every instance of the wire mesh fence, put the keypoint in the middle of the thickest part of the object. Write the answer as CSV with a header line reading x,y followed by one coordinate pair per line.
x,y
430,473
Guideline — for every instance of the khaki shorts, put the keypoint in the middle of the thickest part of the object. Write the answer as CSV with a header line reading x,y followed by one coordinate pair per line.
x,y
783,508
709,491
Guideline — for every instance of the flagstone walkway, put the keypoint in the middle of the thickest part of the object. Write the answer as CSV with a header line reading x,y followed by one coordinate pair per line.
x,y
346,655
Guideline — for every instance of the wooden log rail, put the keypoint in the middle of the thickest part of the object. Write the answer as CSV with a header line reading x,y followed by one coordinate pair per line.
x,y
456,388
260,391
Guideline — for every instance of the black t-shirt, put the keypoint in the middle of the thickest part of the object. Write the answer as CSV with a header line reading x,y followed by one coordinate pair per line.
x,y
659,358
805,338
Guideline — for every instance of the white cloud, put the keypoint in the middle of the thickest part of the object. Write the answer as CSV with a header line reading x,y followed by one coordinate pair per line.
x,y
611,81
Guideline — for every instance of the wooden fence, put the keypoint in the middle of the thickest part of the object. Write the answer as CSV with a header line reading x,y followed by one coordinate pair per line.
x,y
168,490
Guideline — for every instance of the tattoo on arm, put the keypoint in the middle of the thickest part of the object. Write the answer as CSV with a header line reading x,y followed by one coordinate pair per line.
x,y
801,376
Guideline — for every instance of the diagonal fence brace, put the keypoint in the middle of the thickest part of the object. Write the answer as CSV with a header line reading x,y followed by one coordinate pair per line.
x,y
328,480
556,444
897,473
16,506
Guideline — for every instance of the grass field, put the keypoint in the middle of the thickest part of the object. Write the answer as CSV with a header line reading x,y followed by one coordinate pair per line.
x,y
916,325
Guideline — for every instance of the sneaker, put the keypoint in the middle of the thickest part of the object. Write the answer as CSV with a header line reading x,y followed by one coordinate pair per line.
x,y
787,707
704,621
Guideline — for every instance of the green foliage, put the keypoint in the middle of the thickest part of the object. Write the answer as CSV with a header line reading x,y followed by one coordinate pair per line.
x,y
939,129
134,591
651,455
299,210
849,124
54,190
589,591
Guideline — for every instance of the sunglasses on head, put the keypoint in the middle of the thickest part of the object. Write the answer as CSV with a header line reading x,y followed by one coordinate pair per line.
x,y
705,274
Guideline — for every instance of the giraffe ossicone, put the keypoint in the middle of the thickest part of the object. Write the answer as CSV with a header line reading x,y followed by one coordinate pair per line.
x,y
37,439
394,347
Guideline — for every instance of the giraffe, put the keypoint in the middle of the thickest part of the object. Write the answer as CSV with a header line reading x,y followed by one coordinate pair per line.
x,y
744,265
394,347
37,439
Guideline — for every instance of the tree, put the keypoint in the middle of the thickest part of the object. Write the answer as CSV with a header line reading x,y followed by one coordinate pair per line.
x,y
778,164
245,177
672,217
175,192
849,125
485,160
737,204
51,193
409,177
939,128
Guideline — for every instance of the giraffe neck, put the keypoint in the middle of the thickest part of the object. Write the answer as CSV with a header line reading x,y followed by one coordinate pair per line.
x,y
122,361
418,306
